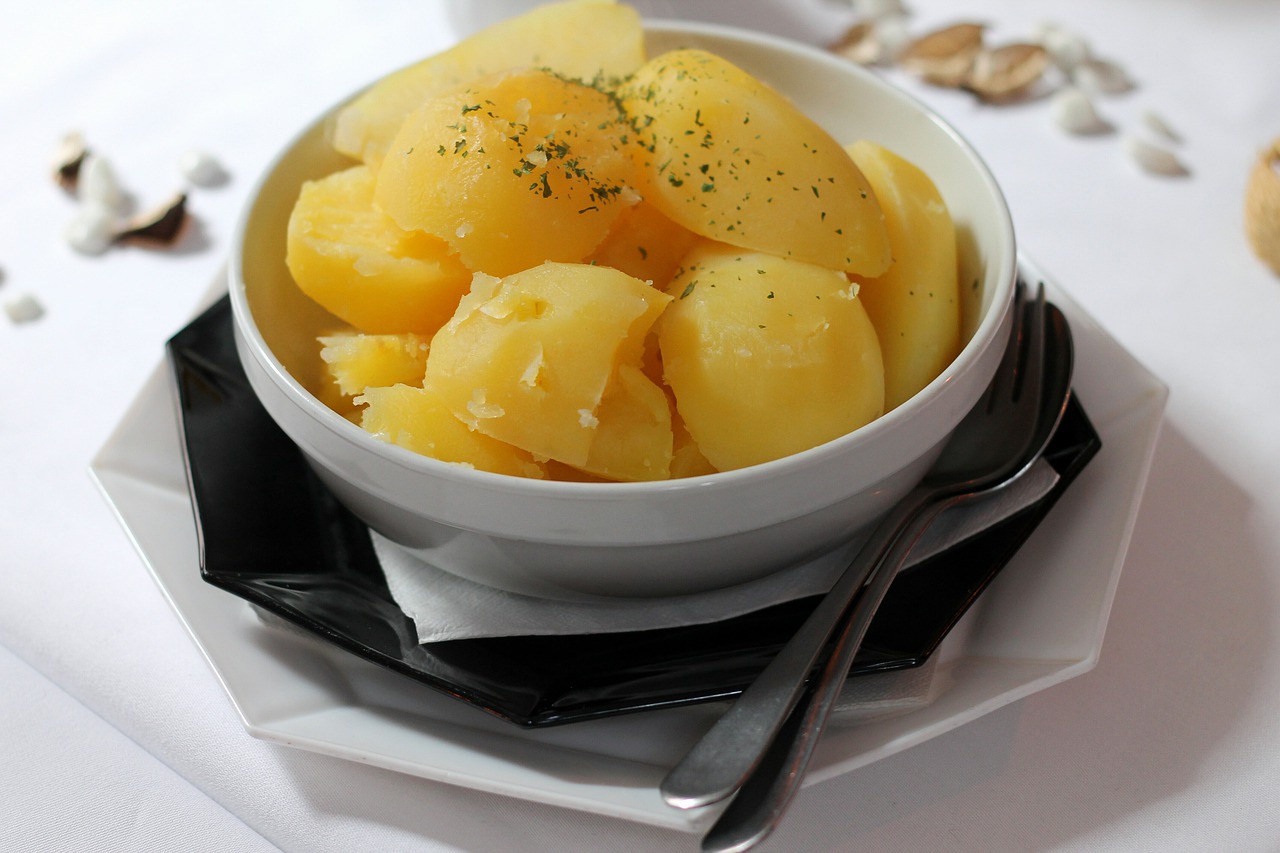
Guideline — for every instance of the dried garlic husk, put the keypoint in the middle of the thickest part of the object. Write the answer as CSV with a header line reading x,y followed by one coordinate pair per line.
x,y
859,44
1154,159
1008,72
162,226
70,157
1074,112
944,57
1262,207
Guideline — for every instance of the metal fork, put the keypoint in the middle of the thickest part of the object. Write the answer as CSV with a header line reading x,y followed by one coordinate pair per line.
x,y
765,795
995,441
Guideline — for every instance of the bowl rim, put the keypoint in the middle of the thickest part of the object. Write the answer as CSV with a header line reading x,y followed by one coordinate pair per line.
x,y
984,334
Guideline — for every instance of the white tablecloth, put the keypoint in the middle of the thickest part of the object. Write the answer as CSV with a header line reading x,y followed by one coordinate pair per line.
x,y
117,737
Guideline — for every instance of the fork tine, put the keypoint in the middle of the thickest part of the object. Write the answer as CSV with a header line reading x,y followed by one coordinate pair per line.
x,y
1031,369
1007,370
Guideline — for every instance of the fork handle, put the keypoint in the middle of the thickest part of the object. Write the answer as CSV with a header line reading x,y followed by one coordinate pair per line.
x,y
769,789
727,754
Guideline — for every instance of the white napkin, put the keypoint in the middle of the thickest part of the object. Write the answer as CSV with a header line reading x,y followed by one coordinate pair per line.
x,y
445,606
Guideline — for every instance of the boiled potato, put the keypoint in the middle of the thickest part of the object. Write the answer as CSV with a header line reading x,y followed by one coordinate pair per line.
x,y
767,356
633,439
584,39
358,361
915,305
512,170
644,243
729,158
415,418
350,257
527,358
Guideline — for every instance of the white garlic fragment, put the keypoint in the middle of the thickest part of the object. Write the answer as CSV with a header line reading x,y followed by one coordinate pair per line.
x,y
894,34
1154,159
93,229
202,169
1161,128
1074,112
877,10
1102,76
1067,48
97,183
24,309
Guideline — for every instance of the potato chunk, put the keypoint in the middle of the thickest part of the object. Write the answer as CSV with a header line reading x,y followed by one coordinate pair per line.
x,y
646,244
767,356
511,170
350,257
415,418
527,358
915,305
359,361
584,39
633,439
731,159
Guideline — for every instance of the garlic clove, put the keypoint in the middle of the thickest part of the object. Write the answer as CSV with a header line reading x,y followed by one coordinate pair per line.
x,y
93,228
1158,126
202,169
1067,48
97,183
1074,112
1154,159
1102,76
1007,72
944,57
877,10
23,309
1262,207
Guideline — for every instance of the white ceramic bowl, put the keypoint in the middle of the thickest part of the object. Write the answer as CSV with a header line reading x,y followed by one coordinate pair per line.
x,y
639,539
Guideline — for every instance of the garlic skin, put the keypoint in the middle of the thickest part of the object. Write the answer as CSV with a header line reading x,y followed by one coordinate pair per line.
x,y
1154,159
1074,112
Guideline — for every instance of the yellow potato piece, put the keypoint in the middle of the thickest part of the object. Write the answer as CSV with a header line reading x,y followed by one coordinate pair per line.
x,y
350,257
527,358
767,356
633,439
358,361
511,170
915,305
646,244
731,159
584,39
415,418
